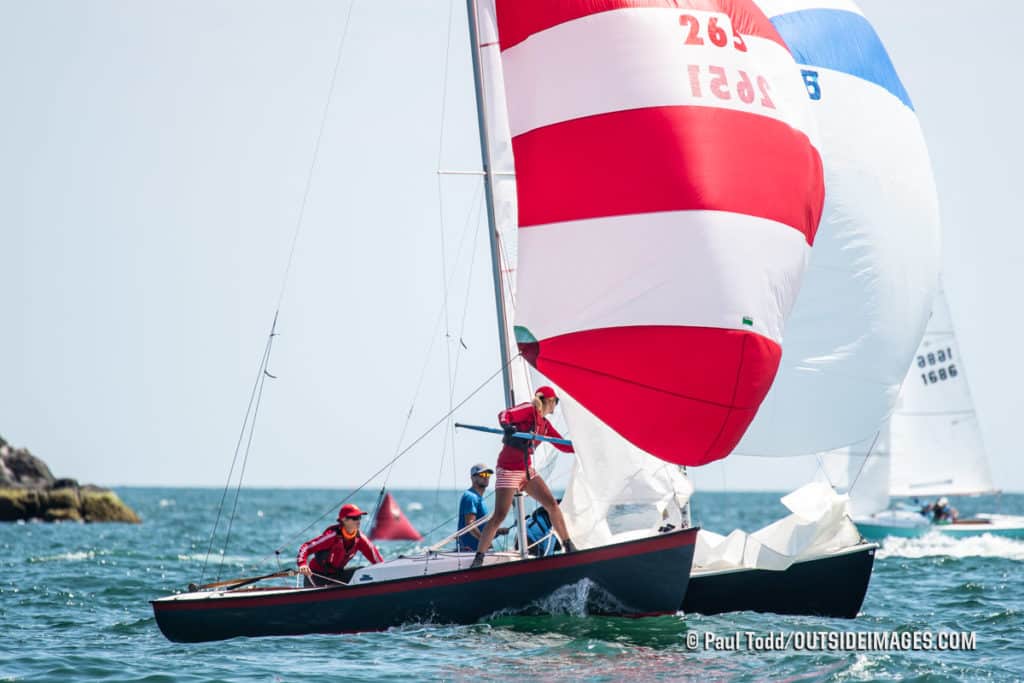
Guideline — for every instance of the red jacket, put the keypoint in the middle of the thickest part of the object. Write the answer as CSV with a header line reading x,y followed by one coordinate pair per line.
x,y
524,418
331,553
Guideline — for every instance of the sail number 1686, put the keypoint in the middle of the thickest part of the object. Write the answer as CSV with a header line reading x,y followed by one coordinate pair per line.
x,y
941,373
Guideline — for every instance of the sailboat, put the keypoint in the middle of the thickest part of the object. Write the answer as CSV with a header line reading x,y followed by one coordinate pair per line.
x,y
932,448
617,180
861,312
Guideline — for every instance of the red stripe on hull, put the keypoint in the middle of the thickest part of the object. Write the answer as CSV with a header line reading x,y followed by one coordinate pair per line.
x,y
520,19
669,159
683,394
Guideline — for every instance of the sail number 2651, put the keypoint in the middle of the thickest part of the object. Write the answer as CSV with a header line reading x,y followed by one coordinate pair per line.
x,y
943,372
742,86
704,29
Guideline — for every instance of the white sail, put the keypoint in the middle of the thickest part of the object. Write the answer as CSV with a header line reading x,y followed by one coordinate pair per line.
x,y
617,491
936,445
862,471
503,184
818,524
874,267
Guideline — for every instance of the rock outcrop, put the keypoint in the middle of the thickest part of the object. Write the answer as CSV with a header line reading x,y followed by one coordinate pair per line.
x,y
28,490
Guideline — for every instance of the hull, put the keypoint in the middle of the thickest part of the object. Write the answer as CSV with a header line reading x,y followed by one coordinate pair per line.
x,y
636,578
829,586
1006,526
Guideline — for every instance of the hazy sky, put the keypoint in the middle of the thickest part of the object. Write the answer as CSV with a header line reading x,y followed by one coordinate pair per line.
x,y
153,157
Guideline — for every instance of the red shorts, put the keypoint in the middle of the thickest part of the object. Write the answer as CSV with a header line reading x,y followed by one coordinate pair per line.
x,y
512,479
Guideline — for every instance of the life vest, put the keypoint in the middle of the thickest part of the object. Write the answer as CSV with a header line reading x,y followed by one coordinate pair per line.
x,y
343,550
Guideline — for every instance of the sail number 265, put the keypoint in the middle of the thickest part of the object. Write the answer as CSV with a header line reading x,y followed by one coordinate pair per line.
x,y
941,373
699,27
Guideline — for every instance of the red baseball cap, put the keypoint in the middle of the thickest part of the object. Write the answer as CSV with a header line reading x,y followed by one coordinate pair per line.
x,y
546,392
349,510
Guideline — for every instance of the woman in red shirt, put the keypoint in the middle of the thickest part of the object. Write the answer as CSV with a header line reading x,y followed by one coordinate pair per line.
x,y
515,468
333,549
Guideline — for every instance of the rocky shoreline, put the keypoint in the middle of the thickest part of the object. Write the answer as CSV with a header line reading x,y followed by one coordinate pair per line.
x,y
28,490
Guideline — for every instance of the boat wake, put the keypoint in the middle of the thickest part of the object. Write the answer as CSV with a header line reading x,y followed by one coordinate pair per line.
x,y
579,599
940,545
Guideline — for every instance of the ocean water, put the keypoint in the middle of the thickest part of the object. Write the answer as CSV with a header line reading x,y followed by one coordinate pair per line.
x,y
74,606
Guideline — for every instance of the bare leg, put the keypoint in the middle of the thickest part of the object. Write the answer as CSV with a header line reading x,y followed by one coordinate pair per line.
x,y
540,492
502,504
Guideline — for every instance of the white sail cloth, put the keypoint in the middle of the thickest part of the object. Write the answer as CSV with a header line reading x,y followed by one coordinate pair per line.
x,y
818,524
936,446
932,445
862,471
874,268
617,491
503,186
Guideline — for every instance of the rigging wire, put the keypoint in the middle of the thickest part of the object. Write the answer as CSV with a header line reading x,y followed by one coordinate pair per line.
x,y
477,199
316,154
238,447
256,394
444,263
391,462
248,448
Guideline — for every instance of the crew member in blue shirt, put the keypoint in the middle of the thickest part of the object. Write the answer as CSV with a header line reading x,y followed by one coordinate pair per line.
x,y
472,507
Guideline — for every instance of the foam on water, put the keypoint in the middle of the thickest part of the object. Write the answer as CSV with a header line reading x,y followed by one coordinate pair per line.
x,y
941,545
66,557
217,558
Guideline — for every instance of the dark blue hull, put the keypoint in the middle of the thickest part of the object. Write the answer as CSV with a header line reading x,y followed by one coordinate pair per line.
x,y
637,578
832,586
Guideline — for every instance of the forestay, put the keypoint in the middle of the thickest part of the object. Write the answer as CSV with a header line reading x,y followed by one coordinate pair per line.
x,y
669,190
873,272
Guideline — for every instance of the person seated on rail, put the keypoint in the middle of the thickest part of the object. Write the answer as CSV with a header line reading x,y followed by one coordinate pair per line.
x,y
322,560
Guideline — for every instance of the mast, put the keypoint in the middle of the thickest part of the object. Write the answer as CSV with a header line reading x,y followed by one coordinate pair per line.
x,y
485,158
492,227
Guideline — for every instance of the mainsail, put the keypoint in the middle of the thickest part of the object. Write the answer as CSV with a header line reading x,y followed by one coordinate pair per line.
x,y
669,190
935,443
873,272
932,445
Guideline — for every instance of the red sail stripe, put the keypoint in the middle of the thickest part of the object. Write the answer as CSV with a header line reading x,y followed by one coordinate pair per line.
x,y
520,19
683,394
669,159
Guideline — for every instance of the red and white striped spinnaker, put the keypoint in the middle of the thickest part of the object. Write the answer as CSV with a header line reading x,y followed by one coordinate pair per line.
x,y
669,189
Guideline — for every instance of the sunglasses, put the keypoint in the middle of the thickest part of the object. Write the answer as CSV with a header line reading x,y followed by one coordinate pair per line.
x,y
358,518
483,475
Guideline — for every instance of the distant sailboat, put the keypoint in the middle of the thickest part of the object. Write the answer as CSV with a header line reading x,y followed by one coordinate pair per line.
x,y
932,448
